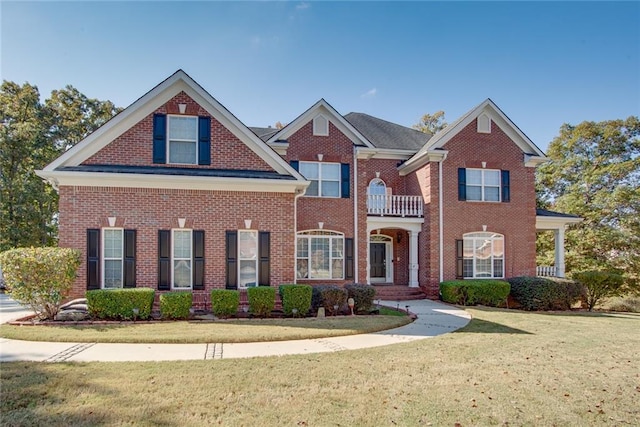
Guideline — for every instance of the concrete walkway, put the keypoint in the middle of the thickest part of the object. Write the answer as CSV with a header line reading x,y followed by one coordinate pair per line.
x,y
433,319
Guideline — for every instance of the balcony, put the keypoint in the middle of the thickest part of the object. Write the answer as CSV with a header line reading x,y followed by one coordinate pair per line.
x,y
398,206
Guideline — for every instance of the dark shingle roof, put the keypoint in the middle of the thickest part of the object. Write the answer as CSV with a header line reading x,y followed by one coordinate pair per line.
x,y
264,133
161,170
544,212
384,134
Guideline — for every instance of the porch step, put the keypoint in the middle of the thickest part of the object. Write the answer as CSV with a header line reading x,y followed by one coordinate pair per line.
x,y
398,293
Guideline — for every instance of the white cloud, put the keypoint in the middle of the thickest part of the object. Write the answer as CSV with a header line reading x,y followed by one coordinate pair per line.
x,y
303,5
370,93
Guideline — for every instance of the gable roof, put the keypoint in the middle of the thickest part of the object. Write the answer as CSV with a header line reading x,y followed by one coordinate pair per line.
x,y
388,135
147,104
264,133
532,154
321,107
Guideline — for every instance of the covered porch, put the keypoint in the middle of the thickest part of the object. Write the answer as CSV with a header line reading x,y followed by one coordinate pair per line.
x,y
557,222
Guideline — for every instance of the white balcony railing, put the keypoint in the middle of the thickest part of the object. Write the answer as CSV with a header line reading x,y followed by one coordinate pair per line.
x,y
546,271
383,205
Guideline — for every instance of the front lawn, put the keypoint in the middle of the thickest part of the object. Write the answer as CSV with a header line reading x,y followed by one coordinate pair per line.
x,y
226,331
504,368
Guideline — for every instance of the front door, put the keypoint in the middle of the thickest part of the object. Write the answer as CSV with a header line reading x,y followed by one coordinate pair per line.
x,y
378,253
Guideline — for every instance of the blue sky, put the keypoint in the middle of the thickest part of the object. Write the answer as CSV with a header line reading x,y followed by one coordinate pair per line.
x,y
543,63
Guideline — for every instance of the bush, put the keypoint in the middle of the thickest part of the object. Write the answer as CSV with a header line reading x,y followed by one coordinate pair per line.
x,y
489,292
40,277
262,300
120,303
225,302
600,285
362,295
296,297
541,293
176,305
628,304
329,296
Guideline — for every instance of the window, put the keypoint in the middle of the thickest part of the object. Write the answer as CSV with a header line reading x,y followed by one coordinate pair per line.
x,y
324,177
248,258
483,255
320,255
113,256
377,196
181,259
183,140
483,185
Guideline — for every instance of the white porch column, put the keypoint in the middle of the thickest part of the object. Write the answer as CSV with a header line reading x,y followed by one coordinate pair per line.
x,y
559,251
413,259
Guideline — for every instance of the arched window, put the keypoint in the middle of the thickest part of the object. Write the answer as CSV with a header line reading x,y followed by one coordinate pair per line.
x,y
320,254
377,196
483,255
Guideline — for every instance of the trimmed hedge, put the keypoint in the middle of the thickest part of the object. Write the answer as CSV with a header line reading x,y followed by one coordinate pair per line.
x,y
328,296
488,292
119,303
224,302
363,296
176,305
296,297
600,285
541,293
262,300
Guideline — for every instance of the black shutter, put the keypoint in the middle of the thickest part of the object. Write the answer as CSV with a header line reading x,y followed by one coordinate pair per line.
x,y
164,260
129,259
159,138
294,164
264,265
506,190
348,259
198,259
462,184
204,140
459,259
345,181
232,260
93,259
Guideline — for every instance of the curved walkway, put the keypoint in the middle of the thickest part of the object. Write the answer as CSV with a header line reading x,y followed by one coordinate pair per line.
x,y
433,318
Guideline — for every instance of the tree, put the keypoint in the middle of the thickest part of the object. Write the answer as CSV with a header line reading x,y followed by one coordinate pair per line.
x,y
32,135
594,172
431,123
279,125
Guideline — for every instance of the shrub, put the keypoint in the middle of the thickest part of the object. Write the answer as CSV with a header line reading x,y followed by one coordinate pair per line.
x,y
262,300
176,305
600,285
362,295
295,297
541,293
225,302
329,296
628,304
40,277
489,292
120,303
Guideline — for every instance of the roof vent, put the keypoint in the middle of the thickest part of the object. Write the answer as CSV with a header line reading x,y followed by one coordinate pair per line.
x,y
484,123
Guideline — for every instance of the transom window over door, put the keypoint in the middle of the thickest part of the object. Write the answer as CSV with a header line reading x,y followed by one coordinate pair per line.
x,y
324,177
482,255
183,140
320,255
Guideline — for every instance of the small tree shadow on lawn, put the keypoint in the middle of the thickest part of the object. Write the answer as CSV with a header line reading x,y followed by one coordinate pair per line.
x,y
486,327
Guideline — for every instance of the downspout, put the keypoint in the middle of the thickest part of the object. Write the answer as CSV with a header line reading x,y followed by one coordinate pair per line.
x,y
440,221
355,215
299,193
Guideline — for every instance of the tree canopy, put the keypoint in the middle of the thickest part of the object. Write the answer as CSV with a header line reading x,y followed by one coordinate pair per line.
x,y
32,135
431,123
594,172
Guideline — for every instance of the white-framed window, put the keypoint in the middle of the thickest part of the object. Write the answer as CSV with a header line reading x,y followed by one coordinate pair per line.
x,y
483,185
320,255
324,177
247,258
483,255
182,146
181,258
112,258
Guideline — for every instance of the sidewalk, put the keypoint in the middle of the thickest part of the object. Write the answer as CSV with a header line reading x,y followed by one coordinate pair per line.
x,y
433,318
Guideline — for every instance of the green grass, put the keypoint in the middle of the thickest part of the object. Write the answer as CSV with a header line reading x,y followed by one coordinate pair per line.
x,y
504,368
226,331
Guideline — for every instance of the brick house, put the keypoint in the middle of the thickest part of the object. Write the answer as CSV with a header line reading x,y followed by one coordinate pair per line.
x,y
176,193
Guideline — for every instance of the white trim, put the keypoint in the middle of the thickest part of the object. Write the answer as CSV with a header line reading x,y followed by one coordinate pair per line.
x,y
476,235
168,139
324,234
388,242
406,223
555,222
440,225
132,180
430,156
355,216
103,258
322,107
173,259
383,153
